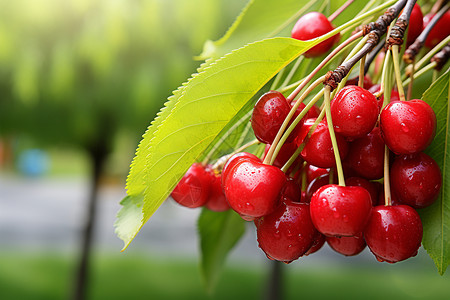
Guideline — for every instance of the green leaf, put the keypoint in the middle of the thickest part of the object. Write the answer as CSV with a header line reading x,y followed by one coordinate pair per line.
x,y
129,218
260,19
436,218
219,233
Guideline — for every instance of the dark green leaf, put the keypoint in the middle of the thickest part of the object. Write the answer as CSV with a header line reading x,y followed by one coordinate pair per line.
x,y
436,218
219,233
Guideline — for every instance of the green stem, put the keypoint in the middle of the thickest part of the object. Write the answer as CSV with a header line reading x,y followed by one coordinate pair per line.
x,y
337,157
362,63
293,70
387,184
419,73
386,86
277,79
398,76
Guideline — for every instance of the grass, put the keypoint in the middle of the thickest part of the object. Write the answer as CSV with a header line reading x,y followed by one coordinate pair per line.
x,y
132,276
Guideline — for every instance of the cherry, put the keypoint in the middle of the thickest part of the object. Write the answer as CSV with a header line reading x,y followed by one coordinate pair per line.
x,y
408,126
319,241
354,111
315,184
347,245
268,116
369,186
415,25
340,210
367,84
318,149
216,199
313,25
366,155
381,200
287,233
376,88
253,189
233,160
393,233
312,172
292,190
416,180
440,30
193,189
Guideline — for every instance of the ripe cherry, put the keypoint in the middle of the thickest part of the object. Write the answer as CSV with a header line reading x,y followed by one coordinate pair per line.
x,y
268,116
369,186
415,25
312,172
440,30
318,149
319,241
254,189
216,199
193,189
292,190
313,25
407,127
286,151
347,245
287,233
366,155
393,233
354,111
233,160
415,180
340,210
376,88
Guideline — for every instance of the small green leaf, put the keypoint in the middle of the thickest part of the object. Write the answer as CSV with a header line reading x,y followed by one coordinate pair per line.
x,y
436,218
129,218
219,233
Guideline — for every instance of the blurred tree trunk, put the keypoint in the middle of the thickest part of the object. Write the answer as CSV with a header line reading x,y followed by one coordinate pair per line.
x,y
274,290
98,154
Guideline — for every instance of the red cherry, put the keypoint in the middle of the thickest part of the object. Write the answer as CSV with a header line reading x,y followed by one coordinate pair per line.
x,y
233,160
369,186
340,210
376,88
393,233
354,111
382,201
416,180
319,240
268,116
415,24
408,126
292,190
216,199
440,30
317,183
367,82
253,189
193,189
366,155
312,172
347,245
310,26
318,149
287,233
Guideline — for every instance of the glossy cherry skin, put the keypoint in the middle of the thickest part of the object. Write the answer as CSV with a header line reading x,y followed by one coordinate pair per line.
x,y
216,199
393,233
439,32
354,111
287,233
366,155
312,172
193,189
268,116
408,127
340,210
347,245
416,180
415,25
313,25
315,184
367,84
235,159
254,189
318,150
319,241
364,183
376,88
292,190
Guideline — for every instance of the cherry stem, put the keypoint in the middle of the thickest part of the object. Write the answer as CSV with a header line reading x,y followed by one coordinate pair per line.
x,y
340,10
304,179
387,184
410,85
398,76
282,136
362,63
293,70
337,157
331,176
386,83
373,54
420,72
277,79
429,55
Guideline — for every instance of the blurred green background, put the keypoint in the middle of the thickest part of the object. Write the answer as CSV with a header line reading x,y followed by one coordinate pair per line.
x,y
77,76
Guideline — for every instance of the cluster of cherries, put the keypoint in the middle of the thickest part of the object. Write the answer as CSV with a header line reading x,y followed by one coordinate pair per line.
x,y
296,211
